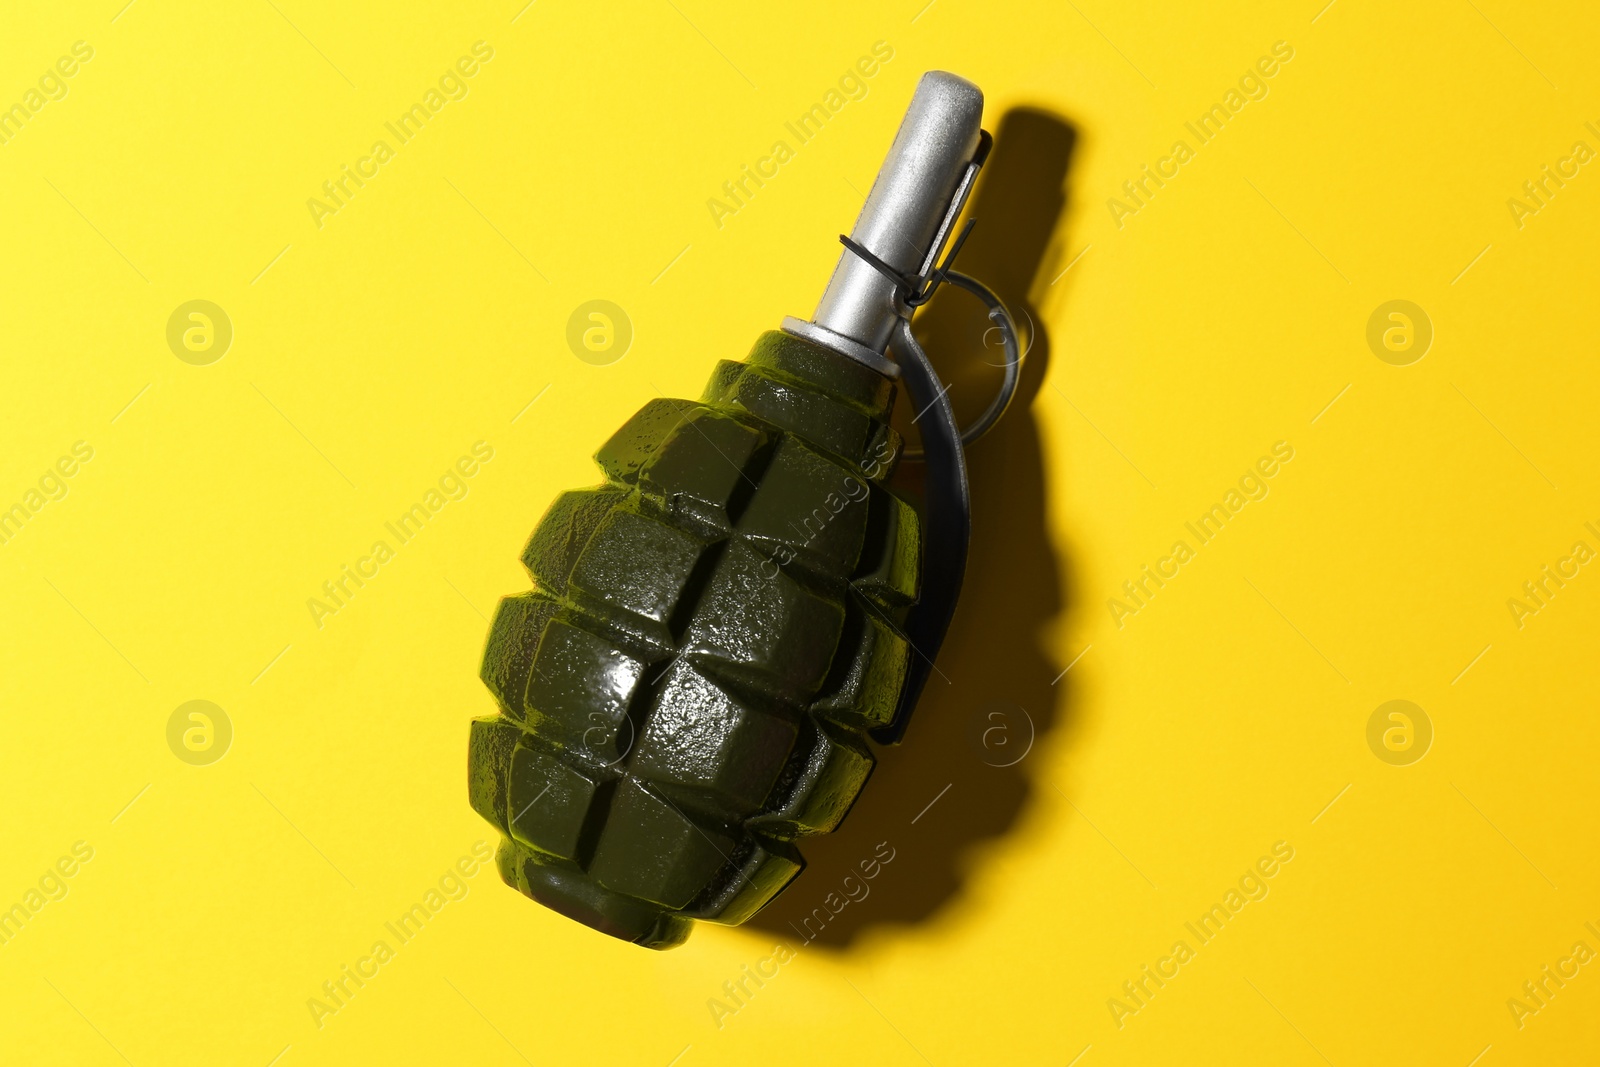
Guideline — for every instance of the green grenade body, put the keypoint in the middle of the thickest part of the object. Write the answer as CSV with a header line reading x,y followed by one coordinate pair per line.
x,y
712,635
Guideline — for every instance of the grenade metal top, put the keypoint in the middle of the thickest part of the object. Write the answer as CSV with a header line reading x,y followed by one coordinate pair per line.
x,y
905,218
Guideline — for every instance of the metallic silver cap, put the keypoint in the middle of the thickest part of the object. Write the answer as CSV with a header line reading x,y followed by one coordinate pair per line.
x,y
906,210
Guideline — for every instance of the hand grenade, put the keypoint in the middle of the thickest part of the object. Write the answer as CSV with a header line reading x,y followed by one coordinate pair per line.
x,y
717,629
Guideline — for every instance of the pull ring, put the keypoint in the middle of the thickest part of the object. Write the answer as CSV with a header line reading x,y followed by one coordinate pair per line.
x,y
1013,361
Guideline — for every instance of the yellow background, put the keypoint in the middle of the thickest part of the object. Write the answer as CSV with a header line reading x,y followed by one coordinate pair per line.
x,y
1225,716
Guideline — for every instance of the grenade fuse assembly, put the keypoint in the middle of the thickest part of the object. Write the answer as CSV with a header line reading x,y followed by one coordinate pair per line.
x,y
716,630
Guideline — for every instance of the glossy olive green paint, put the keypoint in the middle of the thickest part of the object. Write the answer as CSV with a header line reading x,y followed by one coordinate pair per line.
x,y
687,689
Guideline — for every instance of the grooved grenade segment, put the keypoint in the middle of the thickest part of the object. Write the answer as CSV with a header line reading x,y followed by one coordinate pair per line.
x,y
716,630
712,632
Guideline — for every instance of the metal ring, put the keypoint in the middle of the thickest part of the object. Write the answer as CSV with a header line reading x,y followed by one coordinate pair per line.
x,y
1013,365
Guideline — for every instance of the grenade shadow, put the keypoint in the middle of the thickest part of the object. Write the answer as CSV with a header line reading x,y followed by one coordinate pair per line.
x,y
992,692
